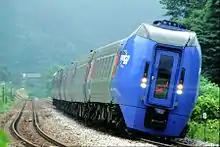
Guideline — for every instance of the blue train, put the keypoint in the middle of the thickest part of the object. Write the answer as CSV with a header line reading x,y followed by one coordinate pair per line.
x,y
147,82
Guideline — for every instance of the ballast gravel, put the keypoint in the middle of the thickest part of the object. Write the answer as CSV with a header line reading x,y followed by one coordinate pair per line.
x,y
71,132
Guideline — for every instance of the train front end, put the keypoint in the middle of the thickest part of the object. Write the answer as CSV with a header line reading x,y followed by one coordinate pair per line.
x,y
157,79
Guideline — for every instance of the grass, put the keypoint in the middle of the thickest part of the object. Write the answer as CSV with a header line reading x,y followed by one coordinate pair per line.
x,y
4,139
211,133
4,107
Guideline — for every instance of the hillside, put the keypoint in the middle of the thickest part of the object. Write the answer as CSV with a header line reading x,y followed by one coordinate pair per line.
x,y
35,35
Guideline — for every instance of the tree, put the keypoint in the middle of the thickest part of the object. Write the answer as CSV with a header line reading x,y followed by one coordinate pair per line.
x,y
4,74
48,77
212,45
179,9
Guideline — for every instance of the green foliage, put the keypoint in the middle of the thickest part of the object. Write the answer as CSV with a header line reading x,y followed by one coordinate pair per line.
x,y
175,8
41,87
4,140
35,87
197,130
208,88
208,101
48,77
7,95
179,9
4,74
6,107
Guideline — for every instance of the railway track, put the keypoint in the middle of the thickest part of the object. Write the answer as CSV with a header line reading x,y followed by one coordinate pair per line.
x,y
157,143
34,137
172,143
49,141
168,144
181,144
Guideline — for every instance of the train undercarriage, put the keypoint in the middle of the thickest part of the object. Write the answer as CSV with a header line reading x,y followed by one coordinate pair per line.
x,y
108,115
94,113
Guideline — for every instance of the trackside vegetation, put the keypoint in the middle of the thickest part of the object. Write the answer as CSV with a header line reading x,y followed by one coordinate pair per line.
x,y
208,102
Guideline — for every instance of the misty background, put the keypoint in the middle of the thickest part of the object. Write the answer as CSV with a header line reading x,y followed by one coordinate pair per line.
x,y
38,34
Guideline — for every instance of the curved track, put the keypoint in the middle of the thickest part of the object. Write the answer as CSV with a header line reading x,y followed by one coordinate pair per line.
x,y
49,141
171,143
41,132
46,140
180,144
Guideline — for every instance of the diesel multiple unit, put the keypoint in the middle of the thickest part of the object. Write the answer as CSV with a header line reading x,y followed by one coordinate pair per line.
x,y
146,82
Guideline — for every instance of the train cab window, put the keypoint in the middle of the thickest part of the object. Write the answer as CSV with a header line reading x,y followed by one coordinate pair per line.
x,y
163,76
142,32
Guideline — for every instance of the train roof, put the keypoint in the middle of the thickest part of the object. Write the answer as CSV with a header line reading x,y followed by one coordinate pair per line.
x,y
167,36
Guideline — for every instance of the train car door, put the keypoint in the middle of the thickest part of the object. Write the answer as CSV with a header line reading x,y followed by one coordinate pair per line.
x,y
163,79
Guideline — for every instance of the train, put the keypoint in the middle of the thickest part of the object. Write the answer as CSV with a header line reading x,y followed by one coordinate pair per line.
x,y
147,82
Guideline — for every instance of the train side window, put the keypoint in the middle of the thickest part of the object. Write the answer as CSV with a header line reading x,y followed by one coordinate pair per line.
x,y
111,64
100,69
96,69
107,66
103,67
